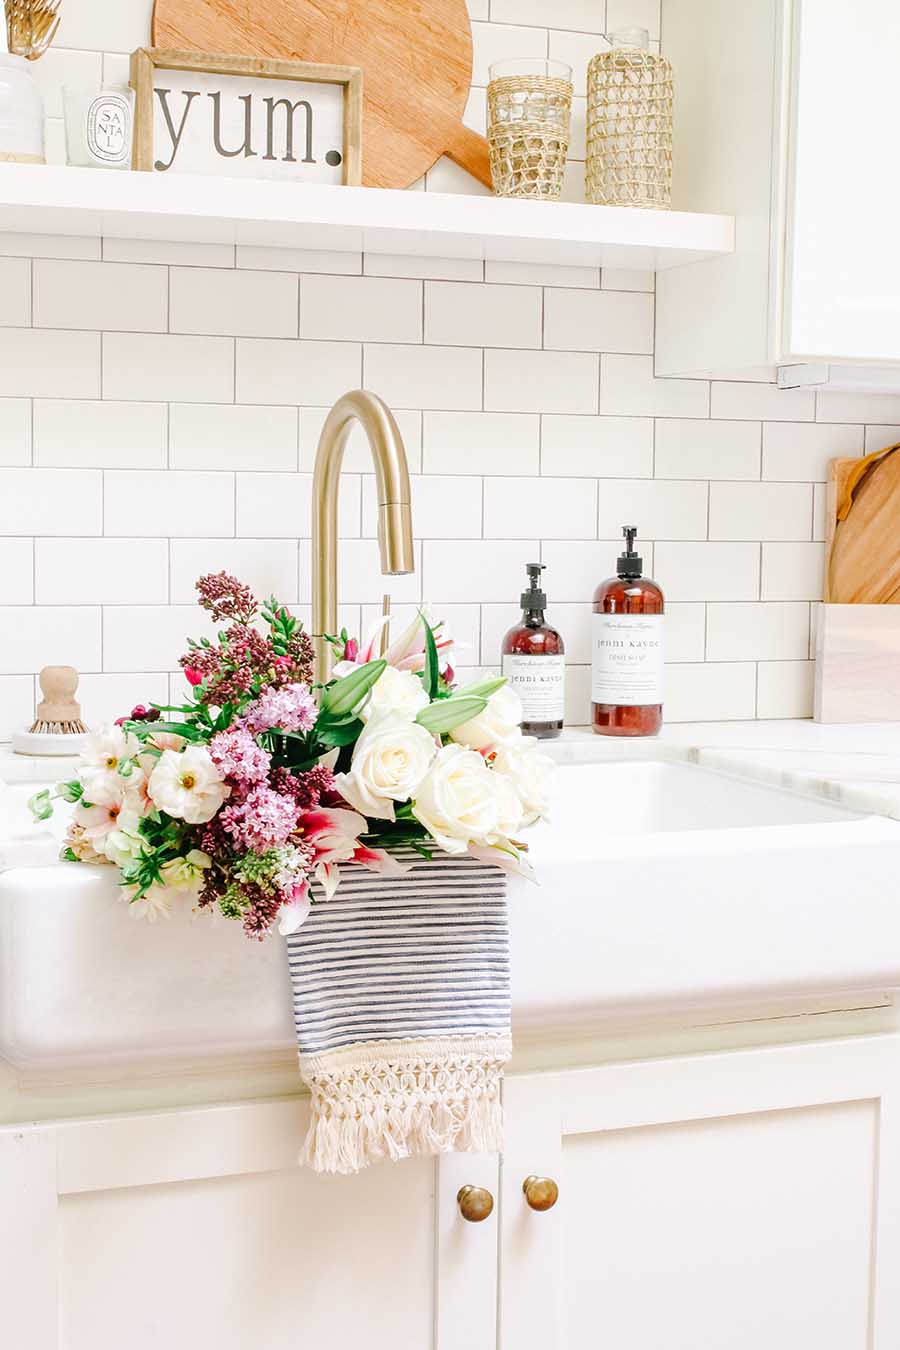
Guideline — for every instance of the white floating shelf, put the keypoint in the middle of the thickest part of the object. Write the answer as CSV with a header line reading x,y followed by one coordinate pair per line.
x,y
35,199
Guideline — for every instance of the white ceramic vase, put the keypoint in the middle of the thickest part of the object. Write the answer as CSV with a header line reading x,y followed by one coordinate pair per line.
x,y
21,112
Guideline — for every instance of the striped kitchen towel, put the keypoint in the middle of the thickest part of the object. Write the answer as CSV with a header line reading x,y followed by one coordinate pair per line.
x,y
402,1010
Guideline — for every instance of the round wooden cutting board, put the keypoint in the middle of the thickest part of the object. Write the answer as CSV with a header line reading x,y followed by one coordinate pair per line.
x,y
416,57
864,564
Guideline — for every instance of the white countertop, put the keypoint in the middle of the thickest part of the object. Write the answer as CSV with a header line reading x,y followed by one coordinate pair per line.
x,y
857,766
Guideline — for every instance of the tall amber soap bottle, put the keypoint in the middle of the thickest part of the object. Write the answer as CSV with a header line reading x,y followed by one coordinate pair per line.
x,y
627,650
534,663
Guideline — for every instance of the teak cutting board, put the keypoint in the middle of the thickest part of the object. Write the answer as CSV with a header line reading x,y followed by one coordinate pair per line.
x,y
863,530
416,58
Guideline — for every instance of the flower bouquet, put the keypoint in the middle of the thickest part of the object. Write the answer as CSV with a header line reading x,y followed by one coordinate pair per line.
x,y
261,796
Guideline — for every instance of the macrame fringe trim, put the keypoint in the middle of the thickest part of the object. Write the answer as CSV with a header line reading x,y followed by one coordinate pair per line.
x,y
398,1099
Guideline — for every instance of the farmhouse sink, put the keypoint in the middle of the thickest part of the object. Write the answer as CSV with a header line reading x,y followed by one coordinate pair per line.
x,y
665,888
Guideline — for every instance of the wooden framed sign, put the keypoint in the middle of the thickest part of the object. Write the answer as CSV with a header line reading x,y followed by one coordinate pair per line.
x,y
246,118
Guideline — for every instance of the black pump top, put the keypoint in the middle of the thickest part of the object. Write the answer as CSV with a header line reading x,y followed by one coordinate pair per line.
x,y
534,598
630,564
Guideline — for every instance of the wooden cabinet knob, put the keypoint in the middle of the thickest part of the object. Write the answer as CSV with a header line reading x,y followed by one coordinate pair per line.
x,y
475,1204
541,1193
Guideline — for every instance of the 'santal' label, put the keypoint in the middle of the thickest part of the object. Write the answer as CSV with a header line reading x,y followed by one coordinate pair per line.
x,y
540,682
627,659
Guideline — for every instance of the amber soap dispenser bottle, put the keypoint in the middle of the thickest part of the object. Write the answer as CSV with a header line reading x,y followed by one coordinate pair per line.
x,y
534,663
627,650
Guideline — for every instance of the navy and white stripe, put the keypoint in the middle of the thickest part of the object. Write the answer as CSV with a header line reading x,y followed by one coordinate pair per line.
x,y
412,957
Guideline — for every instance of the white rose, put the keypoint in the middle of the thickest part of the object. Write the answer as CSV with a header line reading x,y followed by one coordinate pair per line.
x,y
390,759
457,801
499,724
396,691
510,812
187,785
530,774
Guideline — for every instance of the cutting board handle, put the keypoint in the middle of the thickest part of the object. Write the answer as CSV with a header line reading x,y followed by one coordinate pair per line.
x,y
855,477
470,151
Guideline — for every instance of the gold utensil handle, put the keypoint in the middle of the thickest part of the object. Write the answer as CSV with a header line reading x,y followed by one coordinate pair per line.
x,y
475,1204
541,1193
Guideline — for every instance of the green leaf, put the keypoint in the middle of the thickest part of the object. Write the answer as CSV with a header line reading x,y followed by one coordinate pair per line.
x,y
190,733
432,671
340,734
348,693
483,688
450,712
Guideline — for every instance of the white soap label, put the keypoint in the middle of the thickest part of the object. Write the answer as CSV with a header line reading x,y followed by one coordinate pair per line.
x,y
540,682
627,659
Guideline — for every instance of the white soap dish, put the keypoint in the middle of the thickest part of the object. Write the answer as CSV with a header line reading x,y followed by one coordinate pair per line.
x,y
57,728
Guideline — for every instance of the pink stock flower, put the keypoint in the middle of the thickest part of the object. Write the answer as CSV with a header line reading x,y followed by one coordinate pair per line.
x,y
236,755
263,820
289,708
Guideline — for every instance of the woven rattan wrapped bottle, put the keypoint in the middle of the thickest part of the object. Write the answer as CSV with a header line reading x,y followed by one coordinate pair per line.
x,y
629,124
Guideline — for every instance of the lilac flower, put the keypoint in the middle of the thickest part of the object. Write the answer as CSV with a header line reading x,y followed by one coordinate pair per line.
x,y
263,820
237,755
289,708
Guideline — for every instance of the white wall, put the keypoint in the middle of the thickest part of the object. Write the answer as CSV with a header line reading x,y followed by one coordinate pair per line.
x,y
159,410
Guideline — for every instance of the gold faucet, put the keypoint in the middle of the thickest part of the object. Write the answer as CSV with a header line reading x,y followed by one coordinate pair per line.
x,y
395,539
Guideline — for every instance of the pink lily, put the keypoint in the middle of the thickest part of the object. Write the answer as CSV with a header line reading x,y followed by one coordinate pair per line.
x,y
505,855
334,834
407,652
295,910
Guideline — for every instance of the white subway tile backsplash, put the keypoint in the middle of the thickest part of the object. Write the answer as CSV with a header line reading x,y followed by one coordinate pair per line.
x,y
458,314
15,292
104,698
102,295
231,303
281,371
167,505
279,505
578,14
47,635
628,388
120,28
793,571
785,689
58,68
425,377
880,437
660,509
50,502
481,443
150,637
757,632
232,436
759,401
707,571
17,571
358,454
38,363
267,566
760,511
17,704
168,367
820,508
834,406
598,321
90,433
578,696
366,309
698,448
710,692
597,447
101,571
15,431
551,508
443,507
633,14
491,570
575,568
577,50
501,41
543,382
685,632
800,452
541,274
446,176
362,583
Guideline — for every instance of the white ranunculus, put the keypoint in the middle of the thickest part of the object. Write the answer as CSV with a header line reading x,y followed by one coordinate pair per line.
x,y
186,874
124,844
457,801
187,785
109,747
396,691
530,774
499,724
390,759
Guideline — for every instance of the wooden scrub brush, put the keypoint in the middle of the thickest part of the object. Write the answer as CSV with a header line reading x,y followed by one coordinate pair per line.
x,y
57,728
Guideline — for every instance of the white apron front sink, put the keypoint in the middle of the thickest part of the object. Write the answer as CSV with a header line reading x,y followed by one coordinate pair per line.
x,y
664,887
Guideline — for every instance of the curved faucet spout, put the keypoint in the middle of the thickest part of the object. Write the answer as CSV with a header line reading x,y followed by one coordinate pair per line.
x,y
395,539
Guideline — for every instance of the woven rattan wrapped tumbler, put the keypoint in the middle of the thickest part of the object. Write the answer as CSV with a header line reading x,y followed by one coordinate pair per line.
x,y
529,124
629,124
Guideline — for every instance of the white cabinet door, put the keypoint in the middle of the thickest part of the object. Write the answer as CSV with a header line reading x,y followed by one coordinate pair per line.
x,y
842,292
196,1230
733,1200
